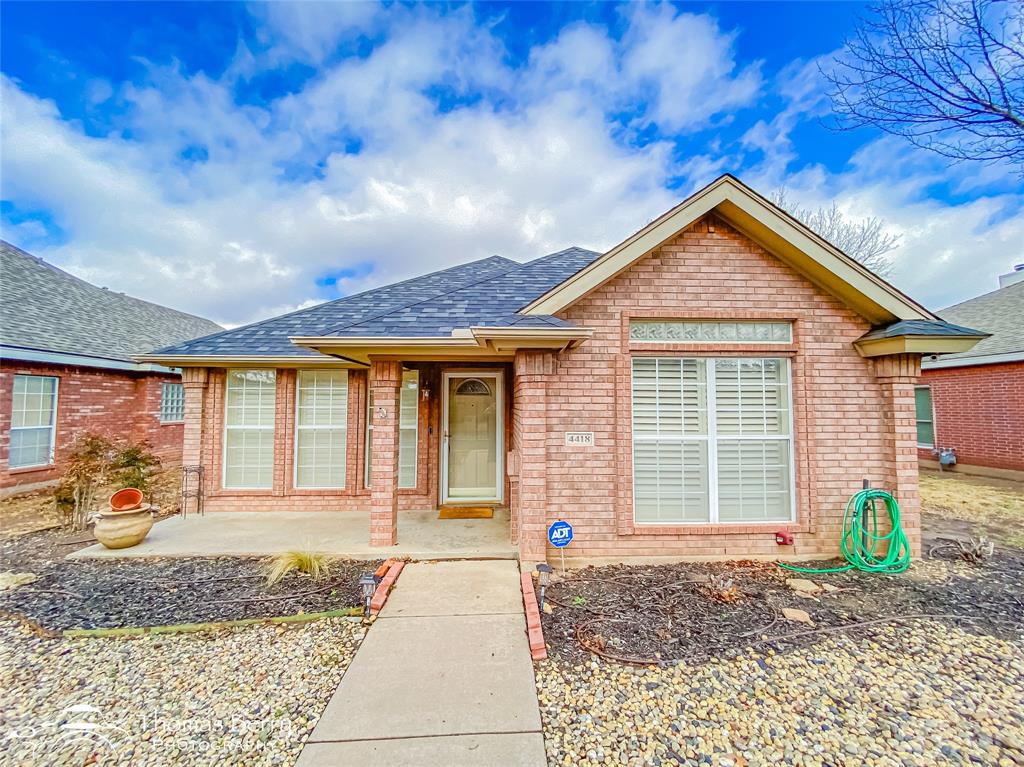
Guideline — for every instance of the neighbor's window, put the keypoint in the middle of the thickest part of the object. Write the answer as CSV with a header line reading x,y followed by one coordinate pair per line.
x,y
33,421
249,429
408,430
712,440
321,428
713,331
172,403
925,416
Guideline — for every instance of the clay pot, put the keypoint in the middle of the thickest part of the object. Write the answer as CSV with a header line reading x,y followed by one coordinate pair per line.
x,y
121,529
123,500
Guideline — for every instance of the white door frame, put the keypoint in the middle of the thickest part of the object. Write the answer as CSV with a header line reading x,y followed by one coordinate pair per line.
x,y
498,376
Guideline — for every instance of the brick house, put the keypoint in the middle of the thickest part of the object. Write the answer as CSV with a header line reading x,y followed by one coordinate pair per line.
x,y
722,374
973,401
66,367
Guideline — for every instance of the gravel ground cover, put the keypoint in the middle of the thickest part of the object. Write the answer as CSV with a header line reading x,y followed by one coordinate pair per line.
x,y
700,611
247,696
113,593
911,695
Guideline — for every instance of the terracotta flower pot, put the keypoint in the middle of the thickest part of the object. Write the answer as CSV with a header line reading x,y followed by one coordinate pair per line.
x,y
121,529
123,500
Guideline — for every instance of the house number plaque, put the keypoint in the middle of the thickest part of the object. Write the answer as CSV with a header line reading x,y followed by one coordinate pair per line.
x,y
579,438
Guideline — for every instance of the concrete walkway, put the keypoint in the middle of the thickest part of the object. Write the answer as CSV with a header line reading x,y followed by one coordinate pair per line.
x,y
421,535
444,677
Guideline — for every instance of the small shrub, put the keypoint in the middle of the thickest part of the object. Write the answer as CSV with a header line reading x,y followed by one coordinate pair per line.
x,y
318,566
133,465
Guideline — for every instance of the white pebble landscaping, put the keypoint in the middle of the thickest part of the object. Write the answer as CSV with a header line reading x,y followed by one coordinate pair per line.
x,y
914,695
247,696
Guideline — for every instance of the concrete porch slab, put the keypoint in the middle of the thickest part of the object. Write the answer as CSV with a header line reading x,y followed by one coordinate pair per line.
x,y
421,535
520,749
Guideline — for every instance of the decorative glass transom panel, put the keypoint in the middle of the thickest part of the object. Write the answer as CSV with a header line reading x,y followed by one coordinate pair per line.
x,y
712,440
473,386
711,332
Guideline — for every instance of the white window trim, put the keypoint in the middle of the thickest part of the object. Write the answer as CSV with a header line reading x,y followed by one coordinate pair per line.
x,y
295,443
366,441
163,390
935,430
224,437
53,425
711,438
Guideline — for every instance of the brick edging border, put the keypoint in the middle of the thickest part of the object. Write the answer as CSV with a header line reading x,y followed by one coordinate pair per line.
x,y
534,632
380,596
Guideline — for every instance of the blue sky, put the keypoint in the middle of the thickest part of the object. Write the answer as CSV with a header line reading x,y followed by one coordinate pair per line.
x,y
243,160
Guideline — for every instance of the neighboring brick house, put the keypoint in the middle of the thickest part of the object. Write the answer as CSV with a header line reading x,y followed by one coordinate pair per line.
x,y
973,401
721,375
67,367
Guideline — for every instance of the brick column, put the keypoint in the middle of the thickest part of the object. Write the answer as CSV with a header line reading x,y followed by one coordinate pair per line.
x,y
529,404
897,374
386,382
194,381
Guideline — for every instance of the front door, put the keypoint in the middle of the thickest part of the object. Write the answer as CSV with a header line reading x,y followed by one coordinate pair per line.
x,y
471,448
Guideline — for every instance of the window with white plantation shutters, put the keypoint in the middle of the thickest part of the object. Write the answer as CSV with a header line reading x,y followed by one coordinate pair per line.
x,y
670,440
753,439
249,410
712,440
321,428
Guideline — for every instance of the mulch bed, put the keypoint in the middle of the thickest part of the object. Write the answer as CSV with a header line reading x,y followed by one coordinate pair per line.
x,y
697,612
152,592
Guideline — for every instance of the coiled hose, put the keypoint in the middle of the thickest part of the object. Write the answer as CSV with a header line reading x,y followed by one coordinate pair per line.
x,y
861,544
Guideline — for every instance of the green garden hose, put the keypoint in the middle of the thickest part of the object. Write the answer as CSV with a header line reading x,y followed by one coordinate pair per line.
x,y
861,544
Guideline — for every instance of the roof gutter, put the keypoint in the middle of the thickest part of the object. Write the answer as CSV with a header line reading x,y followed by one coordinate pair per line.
x,y
22,354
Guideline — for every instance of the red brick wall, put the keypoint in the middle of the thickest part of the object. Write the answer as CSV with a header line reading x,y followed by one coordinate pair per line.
x,y
355,496
846,418
117,404
979,410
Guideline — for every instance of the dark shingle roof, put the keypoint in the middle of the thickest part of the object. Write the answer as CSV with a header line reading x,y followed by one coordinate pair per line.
x,y
487,302
920,328
44,308
270,337
1000,313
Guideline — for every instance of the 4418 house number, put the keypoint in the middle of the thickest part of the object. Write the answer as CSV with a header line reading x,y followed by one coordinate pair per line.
x,y
579,438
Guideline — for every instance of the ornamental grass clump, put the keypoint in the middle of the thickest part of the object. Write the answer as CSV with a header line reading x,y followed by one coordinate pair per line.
x,y
317,566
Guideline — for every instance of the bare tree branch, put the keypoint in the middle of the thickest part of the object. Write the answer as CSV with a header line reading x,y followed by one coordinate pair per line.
x,y
948,75
865,239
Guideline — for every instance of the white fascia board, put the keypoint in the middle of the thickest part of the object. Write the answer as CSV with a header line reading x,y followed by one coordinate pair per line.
x,y
981,359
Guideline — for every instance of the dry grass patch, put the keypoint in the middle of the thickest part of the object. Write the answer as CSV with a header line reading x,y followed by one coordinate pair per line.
x,y
990,503
313,564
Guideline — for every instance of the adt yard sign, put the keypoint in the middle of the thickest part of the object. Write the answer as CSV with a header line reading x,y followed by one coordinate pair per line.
x,y
560,534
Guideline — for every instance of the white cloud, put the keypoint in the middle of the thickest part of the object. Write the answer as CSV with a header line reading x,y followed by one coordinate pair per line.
x,y
234,212
948,251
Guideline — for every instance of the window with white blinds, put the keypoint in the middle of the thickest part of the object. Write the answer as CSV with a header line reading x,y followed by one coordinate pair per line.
x,y
408,430
249,410
33,421
408,423
321,428
712,440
